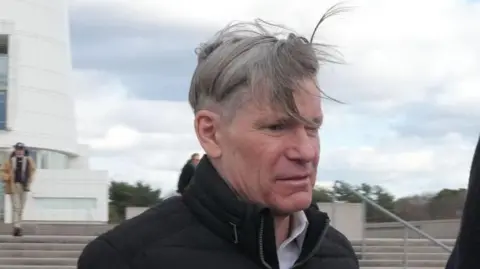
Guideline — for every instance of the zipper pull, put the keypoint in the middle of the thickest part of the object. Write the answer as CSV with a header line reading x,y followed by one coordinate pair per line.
x,y
235,233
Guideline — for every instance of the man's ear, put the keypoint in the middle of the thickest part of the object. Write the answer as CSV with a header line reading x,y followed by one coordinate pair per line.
x,y
207,127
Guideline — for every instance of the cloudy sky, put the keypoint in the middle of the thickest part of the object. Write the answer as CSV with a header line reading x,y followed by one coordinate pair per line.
x,y
411,84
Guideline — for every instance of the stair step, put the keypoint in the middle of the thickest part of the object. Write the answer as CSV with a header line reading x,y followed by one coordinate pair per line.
x,y
39,261
399,263
46,239
400,255
59,228
37,267
380,267
400,242
400,248
42,246
39,254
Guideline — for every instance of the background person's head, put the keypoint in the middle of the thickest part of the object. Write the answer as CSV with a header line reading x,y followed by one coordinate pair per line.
x,y
19,149
257,112
195,158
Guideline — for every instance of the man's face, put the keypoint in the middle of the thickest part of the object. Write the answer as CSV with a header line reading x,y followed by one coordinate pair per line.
x,y
271,159
19,152
195,159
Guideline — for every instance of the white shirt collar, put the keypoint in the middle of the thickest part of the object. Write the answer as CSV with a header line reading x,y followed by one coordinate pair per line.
x,y
289,251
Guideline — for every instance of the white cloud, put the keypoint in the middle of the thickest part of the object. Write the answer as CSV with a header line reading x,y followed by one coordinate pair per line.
x,y
109,121
398,53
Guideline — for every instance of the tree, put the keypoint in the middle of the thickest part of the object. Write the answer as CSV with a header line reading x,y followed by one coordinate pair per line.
x,y
375,193
414,207
383,198
447,204
123,195
321,195
342,193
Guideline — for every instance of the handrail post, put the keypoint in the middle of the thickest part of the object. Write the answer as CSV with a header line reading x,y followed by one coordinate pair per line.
x,y
405,246
364,229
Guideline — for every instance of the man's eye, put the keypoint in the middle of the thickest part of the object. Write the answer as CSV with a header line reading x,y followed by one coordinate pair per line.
x,y
276,127
312,130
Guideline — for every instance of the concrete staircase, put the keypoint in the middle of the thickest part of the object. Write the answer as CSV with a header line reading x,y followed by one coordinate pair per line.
x,y
389,253
39,249
46,246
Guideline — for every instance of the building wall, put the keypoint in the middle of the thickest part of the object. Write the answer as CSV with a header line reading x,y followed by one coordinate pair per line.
x,y
79,195
348,218
442,229
40,108
131,211
40,113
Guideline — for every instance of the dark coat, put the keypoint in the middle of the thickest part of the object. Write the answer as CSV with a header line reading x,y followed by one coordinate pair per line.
x,y
466,254
208,227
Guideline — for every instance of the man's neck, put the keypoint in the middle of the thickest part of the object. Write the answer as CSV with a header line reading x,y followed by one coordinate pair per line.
x,y
282,228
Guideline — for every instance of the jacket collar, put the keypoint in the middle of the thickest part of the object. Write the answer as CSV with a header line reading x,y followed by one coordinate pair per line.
x,y
249,226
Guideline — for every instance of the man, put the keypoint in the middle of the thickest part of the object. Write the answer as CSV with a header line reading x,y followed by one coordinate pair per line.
x,y
187,172
465,255
257,111
18,174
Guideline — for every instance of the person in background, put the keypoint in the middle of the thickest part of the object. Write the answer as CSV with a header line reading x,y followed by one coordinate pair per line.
x,y
257,114
18,172
465,255
187,172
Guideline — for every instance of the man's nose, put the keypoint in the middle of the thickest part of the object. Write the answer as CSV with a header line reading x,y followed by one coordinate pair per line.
x,y
304,147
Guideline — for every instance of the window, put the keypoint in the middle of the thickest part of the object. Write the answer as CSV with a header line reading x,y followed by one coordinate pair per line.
x,y
57,160
3,44
47,159
3,109
3,80
3,72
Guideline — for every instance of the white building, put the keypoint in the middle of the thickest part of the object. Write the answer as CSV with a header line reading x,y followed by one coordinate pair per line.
x,y
37,108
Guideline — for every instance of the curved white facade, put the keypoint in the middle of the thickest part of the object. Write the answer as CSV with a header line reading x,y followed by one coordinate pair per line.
x,y
37,108
40,106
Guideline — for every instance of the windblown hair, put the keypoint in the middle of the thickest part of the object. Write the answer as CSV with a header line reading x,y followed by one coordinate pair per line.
x,y
259,58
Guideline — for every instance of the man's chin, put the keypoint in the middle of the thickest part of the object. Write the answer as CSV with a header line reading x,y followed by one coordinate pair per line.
x,y
292,204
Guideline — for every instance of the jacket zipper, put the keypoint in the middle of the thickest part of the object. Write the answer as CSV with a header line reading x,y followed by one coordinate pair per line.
x,y
317,246
260,244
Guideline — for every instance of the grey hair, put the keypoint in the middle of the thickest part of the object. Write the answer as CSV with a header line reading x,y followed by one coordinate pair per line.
x,y
248,57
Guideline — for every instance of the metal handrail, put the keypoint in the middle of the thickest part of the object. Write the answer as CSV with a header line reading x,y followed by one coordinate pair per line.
x,y
405,223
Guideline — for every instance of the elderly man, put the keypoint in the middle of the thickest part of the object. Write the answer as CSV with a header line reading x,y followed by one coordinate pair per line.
x,y
18,174
258,111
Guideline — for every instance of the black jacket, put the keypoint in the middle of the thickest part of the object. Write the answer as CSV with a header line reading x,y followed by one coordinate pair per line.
x,y
466,255
208,227
186,176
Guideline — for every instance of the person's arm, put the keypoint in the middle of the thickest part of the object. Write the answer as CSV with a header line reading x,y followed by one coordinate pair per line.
x,y
5,171
31,172
99,254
